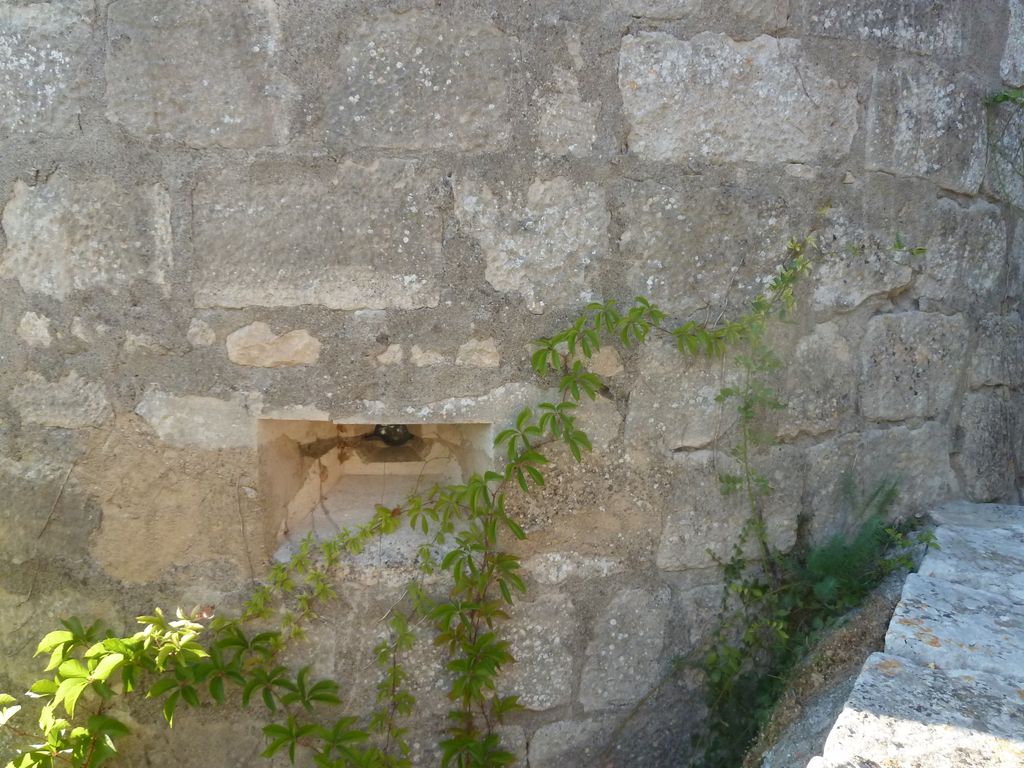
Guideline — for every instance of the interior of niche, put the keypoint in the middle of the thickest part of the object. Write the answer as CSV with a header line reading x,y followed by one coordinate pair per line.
x,y
321,477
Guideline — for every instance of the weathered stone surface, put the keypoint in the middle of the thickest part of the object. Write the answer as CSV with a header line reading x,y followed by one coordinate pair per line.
x,y
845,279
422,81
911,363
661,10
955,627
672,405
540,246
919,717
701,242
770,14
986,452
570,743
43,48
34,330
201,72
1005,177
710,98
479,353
393,355
542,635
702,523
72,235
623,657
257,346
965,261
605,363
918,458
987,559
967,514
70,402
353,237
925,121
915,26
204,422
200,334
821,386
567,124
1012,65
425,358
557,567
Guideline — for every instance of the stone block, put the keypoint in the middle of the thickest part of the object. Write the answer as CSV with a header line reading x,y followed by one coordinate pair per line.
x,y
479,353
203,422
905,714
1012,65
76,235
769,14
672,405
918,459
43,51
350,237
821,385
567,125
1005,173
570,743
557,567
917,26
659,10
623,658
34,330
999,355
421,80
928,122
71,402
542,636
703,525
845,279
542,246
701,242
199,72
965,261
257,346
911,364
953,627
971,515
990,560
710,98
986,449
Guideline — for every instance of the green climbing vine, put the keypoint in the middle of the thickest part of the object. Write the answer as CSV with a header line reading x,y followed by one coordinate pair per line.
x,y
199,659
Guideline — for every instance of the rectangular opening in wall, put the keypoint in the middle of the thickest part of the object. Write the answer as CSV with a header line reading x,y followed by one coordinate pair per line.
x,y
321,477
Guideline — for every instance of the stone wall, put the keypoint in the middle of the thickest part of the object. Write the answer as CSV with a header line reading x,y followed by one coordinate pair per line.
x,y
221,211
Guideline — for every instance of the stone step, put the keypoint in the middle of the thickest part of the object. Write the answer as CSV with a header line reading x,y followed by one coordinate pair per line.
x,y
911,716
966,513
987,559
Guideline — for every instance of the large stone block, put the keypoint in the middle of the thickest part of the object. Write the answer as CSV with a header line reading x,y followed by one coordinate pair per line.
x,y
541,246
623,657
422,81
65,235
918,26
1012,65
965,261
711,97
917,459
351,237
542,634
821,384
71,402
999,355
709,242
672,404
1005,174
911,364
200,72
986,449
43,49
570,743
925,121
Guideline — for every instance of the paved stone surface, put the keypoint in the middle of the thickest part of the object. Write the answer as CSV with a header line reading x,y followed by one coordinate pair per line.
x,y
948,691
911,363
924,121
43,48
201,73
74,235
710,98
541,246
622,660
353,237
422,81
